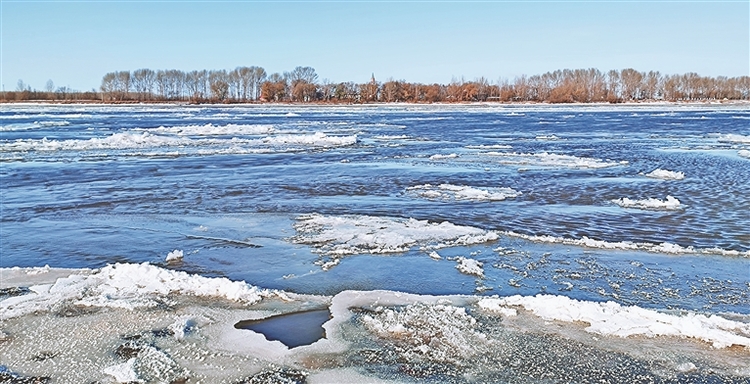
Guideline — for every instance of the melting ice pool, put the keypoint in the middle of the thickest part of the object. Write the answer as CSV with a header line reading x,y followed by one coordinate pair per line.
x,y
292,329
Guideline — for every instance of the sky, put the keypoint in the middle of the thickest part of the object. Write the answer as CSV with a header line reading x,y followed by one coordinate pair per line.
x,y
74,43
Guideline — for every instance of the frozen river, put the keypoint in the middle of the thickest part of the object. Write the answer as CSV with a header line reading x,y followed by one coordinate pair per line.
x,y
644,208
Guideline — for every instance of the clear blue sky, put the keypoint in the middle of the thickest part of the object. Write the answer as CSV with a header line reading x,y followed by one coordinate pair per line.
x,y
74,43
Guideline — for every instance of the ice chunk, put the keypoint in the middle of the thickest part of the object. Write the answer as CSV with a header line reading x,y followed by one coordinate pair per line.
x,y
470,267
458,192
443,157
670,203
665,175
174,255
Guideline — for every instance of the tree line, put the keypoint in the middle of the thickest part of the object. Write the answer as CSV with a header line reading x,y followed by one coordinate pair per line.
x,y
301,85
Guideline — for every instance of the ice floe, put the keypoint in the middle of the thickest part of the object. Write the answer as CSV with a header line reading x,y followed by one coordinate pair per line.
x,y
545,159
611,318
338,236
744,153
665,175
443,157
146,140
670,203
733,138
491,146
175,255
664,247
461,192
210,129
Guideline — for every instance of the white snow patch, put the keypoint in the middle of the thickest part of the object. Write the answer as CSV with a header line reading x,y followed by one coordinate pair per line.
x,y
124,373
665,175
670,203
613,319
460,192
744,153
128,286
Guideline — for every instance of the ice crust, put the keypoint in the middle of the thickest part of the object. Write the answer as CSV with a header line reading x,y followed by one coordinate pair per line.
x,y
461,192
664,247
665,175
436,333
338,236
670,203
545,159
613,319
454,332
127,286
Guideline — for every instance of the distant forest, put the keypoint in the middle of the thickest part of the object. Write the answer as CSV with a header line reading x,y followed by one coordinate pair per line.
x,y
301,85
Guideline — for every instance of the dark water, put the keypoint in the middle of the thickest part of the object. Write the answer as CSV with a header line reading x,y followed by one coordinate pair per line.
x,y
83,186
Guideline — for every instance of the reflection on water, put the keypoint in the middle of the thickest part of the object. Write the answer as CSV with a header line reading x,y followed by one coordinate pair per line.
x,y
292,329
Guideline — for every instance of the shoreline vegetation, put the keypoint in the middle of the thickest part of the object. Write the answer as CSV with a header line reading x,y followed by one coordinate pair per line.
x,y
252,85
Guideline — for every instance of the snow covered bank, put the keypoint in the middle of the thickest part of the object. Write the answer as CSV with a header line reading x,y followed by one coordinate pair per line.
x,y
372,336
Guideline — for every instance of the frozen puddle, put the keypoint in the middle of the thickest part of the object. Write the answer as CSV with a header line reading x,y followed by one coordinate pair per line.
x,y
292,329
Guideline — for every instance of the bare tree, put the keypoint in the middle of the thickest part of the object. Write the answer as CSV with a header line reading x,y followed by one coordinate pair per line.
x,y
143,83
218,84
109,85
